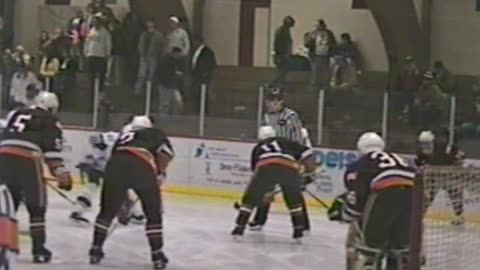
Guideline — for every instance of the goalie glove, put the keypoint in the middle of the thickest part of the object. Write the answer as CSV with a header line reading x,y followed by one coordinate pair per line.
x,y
342,209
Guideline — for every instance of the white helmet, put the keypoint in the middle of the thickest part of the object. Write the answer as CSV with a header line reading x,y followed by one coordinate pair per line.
x,y
370,142
266,132
426,136
426,140
47,101
140,122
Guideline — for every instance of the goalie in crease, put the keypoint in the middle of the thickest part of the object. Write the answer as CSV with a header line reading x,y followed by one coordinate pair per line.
x,y
435,150
377,204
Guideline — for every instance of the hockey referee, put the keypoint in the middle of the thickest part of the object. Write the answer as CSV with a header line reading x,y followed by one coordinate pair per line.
x,y
287,125
284,120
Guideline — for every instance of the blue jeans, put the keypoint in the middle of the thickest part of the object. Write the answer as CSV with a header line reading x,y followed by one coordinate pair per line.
x,y
146,71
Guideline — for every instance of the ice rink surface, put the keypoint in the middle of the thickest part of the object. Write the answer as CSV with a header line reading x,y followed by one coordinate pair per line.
x,y
197,236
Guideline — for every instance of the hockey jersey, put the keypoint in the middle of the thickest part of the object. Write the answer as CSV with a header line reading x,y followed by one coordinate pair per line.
x,y
279,151
35,129
372,173
145,144
101,151
445,155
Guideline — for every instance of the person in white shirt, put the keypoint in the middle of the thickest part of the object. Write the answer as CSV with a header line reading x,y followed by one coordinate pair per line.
x,y
177,38
18,87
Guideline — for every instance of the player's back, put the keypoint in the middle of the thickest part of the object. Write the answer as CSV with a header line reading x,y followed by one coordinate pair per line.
x,y
380,170
149,139
279,151
33,126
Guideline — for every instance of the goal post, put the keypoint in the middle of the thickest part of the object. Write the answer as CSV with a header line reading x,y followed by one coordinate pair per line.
x,y
445,221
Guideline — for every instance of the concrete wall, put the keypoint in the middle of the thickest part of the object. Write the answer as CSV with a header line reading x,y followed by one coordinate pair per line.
x,y
455,39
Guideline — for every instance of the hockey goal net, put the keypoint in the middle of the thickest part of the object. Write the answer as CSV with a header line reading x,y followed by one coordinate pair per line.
x,y
447,237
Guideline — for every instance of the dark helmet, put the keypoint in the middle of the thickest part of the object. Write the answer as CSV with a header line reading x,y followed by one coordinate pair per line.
x,y
274,99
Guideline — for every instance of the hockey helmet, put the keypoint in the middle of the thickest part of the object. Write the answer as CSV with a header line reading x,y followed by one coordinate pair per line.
x,y
141,122
426,141
47,101
274,99
370,142
266,132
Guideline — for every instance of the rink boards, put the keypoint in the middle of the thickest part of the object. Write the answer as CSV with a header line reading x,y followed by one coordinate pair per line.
x,y
221,168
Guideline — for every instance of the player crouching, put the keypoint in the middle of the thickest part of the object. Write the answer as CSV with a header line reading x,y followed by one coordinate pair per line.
x,y
276,161
139,157
377,205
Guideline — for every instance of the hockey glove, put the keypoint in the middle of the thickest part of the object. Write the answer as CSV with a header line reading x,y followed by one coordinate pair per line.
x,y
307,180
161,178
335,211
65,181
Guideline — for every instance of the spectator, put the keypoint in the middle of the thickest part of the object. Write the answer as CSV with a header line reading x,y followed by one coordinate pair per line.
x,y
43,43
169,71
76,34
407,83
344,74
203,65
21,58
429,103
58,45
132,27
443,77
349,51
177,38
97,49
321,43
18,87
99,6
4,39
119,50
283,46
149,49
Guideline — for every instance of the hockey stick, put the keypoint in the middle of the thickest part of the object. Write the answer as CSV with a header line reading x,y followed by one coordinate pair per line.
x,y
317,199
61,193
129,212
237,205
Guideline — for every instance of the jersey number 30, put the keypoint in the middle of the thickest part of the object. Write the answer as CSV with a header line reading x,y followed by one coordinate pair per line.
x,y
388,160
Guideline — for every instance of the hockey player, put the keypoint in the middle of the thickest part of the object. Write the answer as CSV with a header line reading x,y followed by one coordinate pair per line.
x,y
435,151
377,204
276,161
33,134
287,124
8,230
93,166
139,159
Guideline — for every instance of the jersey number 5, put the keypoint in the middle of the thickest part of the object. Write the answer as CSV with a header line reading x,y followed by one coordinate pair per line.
x,y
127,137
388,160
20,122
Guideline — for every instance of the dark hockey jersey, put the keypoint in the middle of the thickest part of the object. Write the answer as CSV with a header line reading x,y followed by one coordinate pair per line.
x,y
442,155
373,172
279,151
35,129
145,143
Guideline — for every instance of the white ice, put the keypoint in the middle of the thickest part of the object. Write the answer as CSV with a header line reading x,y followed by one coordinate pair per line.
x,y
196,237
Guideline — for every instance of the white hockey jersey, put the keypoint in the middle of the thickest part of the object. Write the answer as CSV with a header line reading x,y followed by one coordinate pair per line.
x,y
100,156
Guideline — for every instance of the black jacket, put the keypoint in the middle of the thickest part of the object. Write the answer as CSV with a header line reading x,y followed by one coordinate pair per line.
x,y
283,41
205,65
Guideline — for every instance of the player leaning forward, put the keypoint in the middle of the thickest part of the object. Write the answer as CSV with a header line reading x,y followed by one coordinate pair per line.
x,y
276,161
33,135
138,161
377,205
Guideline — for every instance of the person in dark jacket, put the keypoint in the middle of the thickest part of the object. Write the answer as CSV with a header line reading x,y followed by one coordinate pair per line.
x,y
203,64
283,45
169,74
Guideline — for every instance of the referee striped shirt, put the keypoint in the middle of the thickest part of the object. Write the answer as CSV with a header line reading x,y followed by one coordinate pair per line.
x,y
286,123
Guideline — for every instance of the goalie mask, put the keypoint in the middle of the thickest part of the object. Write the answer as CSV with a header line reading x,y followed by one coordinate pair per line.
x,y
426,141
274,100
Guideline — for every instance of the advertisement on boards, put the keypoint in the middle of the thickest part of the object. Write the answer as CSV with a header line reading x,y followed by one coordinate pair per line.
x,y
220,164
